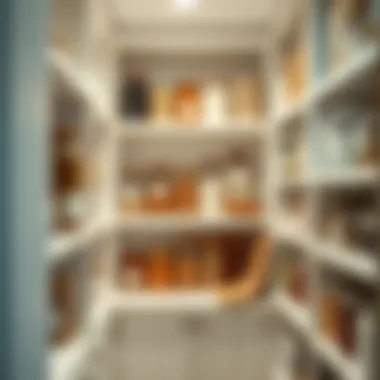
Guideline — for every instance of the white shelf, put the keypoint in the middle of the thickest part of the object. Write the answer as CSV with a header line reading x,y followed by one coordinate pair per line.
x,y
198,302
343,179
347,368
297,315
178,223
63,245
170,131
80,83
334,83
352,262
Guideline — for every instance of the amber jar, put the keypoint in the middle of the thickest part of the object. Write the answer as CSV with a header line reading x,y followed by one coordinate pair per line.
x,y
64,306
238,186
187,103
159,197
185,191
211,264
159,268
299,284
188,268
349,325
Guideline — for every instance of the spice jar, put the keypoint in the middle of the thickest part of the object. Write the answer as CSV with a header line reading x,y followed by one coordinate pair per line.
x,y
160,268
214,104
159,191
210,198
187,103
188,268
238,185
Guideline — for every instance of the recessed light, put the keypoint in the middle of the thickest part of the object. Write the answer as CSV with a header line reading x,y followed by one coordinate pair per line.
x,y
184,5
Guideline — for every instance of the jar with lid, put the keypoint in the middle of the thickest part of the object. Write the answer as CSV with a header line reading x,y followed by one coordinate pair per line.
x,y
210,198
185,190
238,185
187,103
188,267
159,190
214,104
131,192
159,268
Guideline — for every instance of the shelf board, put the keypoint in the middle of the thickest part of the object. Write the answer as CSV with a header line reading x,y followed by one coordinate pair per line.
x,y
347,368
332,84
179,223
344,179
133,130
198,301
356,263
297,315
62,246
80,83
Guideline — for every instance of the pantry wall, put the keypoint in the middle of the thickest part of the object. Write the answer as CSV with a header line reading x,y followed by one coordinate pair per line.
x,y
207,192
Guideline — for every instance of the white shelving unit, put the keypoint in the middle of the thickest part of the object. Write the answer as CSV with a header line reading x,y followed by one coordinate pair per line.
x,y
97,92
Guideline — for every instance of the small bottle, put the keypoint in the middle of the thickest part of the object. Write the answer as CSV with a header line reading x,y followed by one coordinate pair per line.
x,y
135,98
210,199
214,105
238,186
187,103
160,268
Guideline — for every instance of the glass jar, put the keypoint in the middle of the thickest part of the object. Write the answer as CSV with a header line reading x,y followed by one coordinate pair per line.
x,y
161,103
214,105
330,315
131,193
187,103
159,191
185,191
135,97
133,266
211,264
238,186
64,306
245,98
210,199
188,268
160,270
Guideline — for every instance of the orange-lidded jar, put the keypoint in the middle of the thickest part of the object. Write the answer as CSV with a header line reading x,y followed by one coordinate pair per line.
x,y
185,191
160,268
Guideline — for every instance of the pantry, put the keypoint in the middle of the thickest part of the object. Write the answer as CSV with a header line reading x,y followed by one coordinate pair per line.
x,y
214,190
